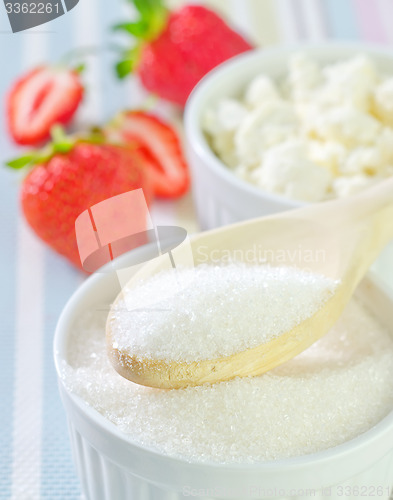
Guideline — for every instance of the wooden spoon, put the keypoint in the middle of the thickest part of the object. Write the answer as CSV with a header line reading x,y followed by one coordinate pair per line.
x,y
339,239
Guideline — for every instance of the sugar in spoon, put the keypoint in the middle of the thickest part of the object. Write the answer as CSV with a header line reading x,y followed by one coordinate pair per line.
x,y
351,232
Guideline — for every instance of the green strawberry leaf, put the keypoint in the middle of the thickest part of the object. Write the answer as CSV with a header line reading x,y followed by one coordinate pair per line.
x,y
60,142
80,68
129,61
124,68
138,29
155,15
21,162
146,7
151,23
158,23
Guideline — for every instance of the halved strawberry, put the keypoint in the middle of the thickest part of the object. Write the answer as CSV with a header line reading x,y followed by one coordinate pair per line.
x,y
161,148
44,96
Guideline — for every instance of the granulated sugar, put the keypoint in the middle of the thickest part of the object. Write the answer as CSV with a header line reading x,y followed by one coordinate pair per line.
x,y
334,391
214,311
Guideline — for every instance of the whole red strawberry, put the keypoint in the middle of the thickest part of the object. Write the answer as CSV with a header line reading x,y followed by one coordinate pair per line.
x,y
43,97
74,177
175,50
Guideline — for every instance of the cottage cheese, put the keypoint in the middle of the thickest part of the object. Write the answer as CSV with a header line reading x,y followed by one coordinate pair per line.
x,y
321,132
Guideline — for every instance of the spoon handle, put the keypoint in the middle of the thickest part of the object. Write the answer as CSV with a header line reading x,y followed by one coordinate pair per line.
x,y
374,198
371,216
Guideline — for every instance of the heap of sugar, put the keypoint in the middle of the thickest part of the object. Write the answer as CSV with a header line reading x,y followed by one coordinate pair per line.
x,y
212,311
337,389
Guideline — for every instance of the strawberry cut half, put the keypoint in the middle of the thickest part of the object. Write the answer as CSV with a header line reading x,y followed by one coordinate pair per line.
x,y
160,146
41,98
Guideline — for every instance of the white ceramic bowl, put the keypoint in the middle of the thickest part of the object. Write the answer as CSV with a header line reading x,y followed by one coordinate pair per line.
x,y
220,196
111,467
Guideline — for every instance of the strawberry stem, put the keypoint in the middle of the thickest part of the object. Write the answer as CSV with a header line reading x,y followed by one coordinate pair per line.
x,y
60,142
153,18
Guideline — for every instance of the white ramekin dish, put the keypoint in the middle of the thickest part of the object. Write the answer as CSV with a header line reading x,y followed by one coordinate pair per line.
x,y
220,196
111,467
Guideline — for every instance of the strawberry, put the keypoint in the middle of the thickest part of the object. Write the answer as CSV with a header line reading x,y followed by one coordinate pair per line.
x,y
174,50
160,147
68,178
44,96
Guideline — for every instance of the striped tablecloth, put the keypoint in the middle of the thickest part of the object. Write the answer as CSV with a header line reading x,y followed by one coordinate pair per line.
x,y
35,459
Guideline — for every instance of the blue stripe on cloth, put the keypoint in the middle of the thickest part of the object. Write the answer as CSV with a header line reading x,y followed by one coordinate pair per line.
x,y
61,39
8,208
115,89
58,477
341,19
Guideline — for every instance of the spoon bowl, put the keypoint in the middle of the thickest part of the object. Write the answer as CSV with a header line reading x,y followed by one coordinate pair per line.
x,y
339,239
